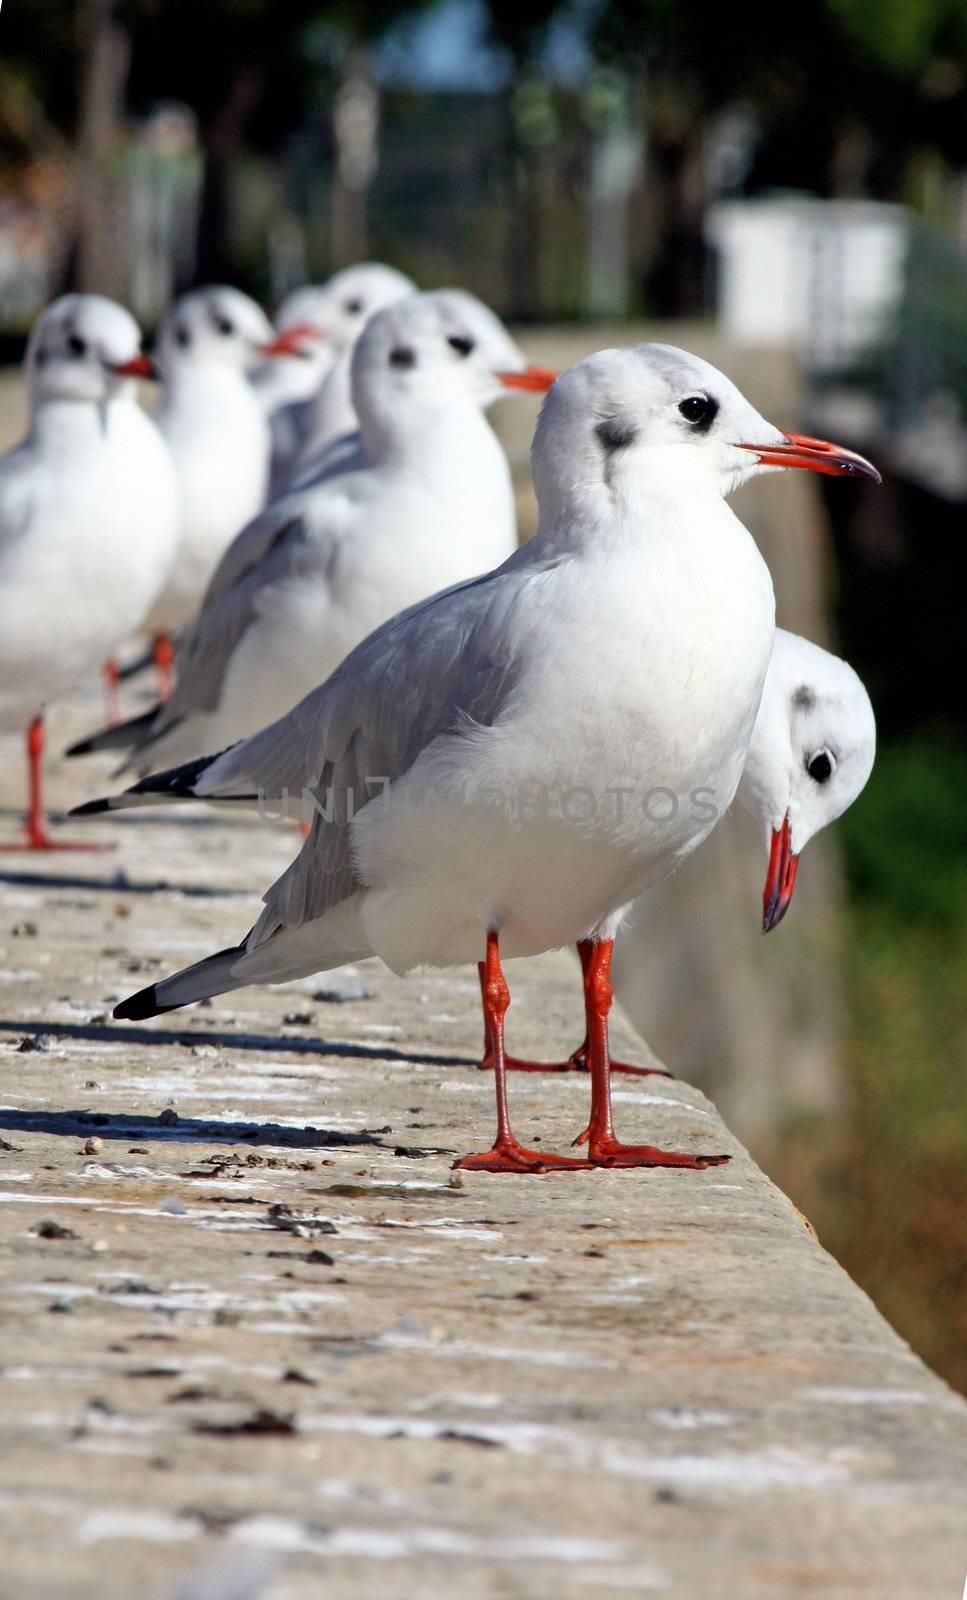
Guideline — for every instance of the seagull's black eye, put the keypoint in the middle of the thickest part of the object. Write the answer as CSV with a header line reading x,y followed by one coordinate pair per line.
x,y
402,356
353,307
820,767
700,411
460,343
223,325
77,346
182,336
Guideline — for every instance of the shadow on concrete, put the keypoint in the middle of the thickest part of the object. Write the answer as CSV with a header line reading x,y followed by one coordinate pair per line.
x,y
187,1130
120,883
272,1043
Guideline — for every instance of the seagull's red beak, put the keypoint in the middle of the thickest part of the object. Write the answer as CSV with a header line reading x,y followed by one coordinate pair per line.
x,y
137,367
781,877
536,379
816,455
292,341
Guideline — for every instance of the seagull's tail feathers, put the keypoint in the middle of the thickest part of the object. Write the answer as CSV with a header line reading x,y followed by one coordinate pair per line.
x,y
289,953
214,975
119,736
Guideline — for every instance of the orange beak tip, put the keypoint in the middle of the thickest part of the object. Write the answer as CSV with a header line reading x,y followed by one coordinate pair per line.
x,y
138,367
780,878
536,380
815,455
292,341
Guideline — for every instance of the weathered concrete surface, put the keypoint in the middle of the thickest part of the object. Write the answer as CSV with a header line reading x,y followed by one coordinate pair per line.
x,y
615,1382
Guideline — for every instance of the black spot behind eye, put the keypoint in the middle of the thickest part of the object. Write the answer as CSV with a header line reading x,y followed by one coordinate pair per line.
x,y
615,434
182,336
803,698
402,356
460,343
77,346
700,411
353,307
820,767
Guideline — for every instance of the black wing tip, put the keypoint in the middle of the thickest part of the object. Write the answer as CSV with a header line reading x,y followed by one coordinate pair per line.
x,y
91,808
83,747
138,1007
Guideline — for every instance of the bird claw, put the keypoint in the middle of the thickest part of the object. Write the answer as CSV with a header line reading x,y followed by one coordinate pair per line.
x,y
612,1153
510,1156
42,843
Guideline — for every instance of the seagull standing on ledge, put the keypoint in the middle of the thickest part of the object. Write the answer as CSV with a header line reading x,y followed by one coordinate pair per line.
x,y
218,436
544,742
88,519
322,322
421,498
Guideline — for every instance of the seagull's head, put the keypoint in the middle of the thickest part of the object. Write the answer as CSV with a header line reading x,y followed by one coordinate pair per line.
x,y
810,756
84,347
215,327
652,417
332,315
425,355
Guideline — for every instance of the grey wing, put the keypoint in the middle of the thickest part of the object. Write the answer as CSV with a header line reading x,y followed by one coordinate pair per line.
x,y
443,665
206,651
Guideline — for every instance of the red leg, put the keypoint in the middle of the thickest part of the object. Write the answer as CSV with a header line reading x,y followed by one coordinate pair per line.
x,y
164,664
577,1061
111,675
35,826
506,1155
604,1149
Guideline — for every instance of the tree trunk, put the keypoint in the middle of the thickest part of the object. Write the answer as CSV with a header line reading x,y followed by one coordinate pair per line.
x,y
355,128
222,145
107,54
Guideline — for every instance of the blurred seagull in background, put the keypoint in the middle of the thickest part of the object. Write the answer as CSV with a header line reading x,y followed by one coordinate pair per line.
x,y
88,518
218,436
512,725
324,323
419,499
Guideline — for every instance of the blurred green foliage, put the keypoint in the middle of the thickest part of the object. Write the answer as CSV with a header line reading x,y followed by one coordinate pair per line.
x,y
906,836
886,1184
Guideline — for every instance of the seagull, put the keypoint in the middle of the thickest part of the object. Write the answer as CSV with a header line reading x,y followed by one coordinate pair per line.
x,y
420,499
507,765
810,756
301,319
218,436
324,321
88,519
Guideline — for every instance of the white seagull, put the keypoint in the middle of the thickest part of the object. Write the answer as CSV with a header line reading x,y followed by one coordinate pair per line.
x,y
323,322
540,744
218,435
810,756
88,518
420,499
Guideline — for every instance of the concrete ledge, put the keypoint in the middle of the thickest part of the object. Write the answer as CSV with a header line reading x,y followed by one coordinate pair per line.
x,y
258,1336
